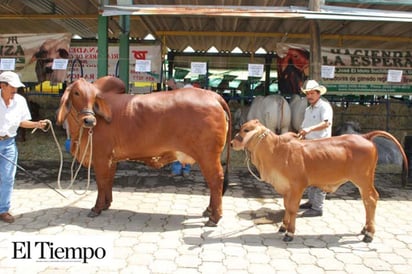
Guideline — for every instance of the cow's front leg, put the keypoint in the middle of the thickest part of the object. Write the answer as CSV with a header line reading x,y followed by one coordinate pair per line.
x,y
291,202
104,181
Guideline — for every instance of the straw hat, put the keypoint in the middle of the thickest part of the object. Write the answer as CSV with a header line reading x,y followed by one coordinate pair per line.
x,y
313,85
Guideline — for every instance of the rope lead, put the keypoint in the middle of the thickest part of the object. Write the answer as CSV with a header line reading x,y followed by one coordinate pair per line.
x,y
73,177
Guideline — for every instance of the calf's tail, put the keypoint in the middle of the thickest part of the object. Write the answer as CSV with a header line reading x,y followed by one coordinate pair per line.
x,y
389,136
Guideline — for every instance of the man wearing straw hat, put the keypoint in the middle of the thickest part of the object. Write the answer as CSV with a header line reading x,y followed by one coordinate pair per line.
x,y
316,124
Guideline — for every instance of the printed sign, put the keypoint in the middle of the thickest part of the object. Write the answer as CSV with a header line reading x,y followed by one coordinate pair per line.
x,y
394,76
357,71
33,54
255,70
60,64
328,72
88,56
198,68
7,64
142,66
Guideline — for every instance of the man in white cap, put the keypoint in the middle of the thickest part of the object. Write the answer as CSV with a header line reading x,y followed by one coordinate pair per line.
x,y
14,113
316,124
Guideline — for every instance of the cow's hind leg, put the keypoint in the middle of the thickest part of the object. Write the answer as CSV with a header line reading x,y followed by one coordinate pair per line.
x,y
104,181
370,198
213,173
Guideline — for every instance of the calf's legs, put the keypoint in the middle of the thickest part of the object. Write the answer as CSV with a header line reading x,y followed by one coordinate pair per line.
x,y
291,202
370,199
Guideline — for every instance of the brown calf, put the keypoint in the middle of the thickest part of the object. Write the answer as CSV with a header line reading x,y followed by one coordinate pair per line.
x,y
290,165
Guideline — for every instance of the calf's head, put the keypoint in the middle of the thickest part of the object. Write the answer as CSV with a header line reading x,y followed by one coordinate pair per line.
x,y
246,132
83,101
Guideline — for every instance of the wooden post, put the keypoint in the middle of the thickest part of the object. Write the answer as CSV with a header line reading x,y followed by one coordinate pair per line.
x,y
315,47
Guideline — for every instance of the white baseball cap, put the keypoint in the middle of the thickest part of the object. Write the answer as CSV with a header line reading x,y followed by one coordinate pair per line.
x,y
11,78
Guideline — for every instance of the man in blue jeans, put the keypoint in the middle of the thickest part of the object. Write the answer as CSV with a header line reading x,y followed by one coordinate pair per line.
x,y
179,169
14,113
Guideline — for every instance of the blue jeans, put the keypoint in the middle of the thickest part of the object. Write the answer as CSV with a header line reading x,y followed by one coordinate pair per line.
x,y
8,149
178,168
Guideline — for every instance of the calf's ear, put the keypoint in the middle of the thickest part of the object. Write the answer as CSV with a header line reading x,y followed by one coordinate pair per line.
x,y
64,107
102,108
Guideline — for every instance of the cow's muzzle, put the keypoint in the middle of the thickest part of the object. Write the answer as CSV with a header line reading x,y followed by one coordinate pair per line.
x,y
238,138
88,118
236,143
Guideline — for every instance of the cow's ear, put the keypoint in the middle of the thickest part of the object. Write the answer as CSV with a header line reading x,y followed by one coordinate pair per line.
x,y
102,108
64,108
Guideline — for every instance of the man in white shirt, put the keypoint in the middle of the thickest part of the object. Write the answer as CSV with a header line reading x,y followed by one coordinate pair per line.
x,y
14,113
316,124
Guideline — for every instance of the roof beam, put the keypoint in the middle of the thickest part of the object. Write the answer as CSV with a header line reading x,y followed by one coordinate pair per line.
x,y
37,16
325,13
290,35
373,2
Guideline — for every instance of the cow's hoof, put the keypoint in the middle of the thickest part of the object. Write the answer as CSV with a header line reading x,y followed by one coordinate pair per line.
x,y
287,238
207,212
211,223
93,214
367,238
282,229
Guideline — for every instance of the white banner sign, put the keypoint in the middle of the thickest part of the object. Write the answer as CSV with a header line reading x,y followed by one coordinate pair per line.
x,y
33,55
139,55
347,70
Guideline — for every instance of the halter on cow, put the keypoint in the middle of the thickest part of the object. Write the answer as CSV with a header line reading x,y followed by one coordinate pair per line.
x,y
190,125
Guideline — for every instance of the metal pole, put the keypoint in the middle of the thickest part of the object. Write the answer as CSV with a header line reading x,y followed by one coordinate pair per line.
x,y
124,50
102,44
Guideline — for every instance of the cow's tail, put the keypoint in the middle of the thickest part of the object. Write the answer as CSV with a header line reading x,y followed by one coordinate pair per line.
x,y
226,108
389,136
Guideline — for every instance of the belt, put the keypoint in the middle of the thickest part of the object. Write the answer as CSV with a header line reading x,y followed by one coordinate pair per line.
x,y
5,137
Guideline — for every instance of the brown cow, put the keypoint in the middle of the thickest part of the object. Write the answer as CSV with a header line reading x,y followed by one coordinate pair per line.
x,y
189,125
290,165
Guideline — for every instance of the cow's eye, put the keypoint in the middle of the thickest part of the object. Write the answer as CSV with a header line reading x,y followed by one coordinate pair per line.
x,y
76,93
246,130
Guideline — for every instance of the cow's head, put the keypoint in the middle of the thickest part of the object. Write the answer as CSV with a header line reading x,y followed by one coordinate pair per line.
x,y
246,132
83,101
44,56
